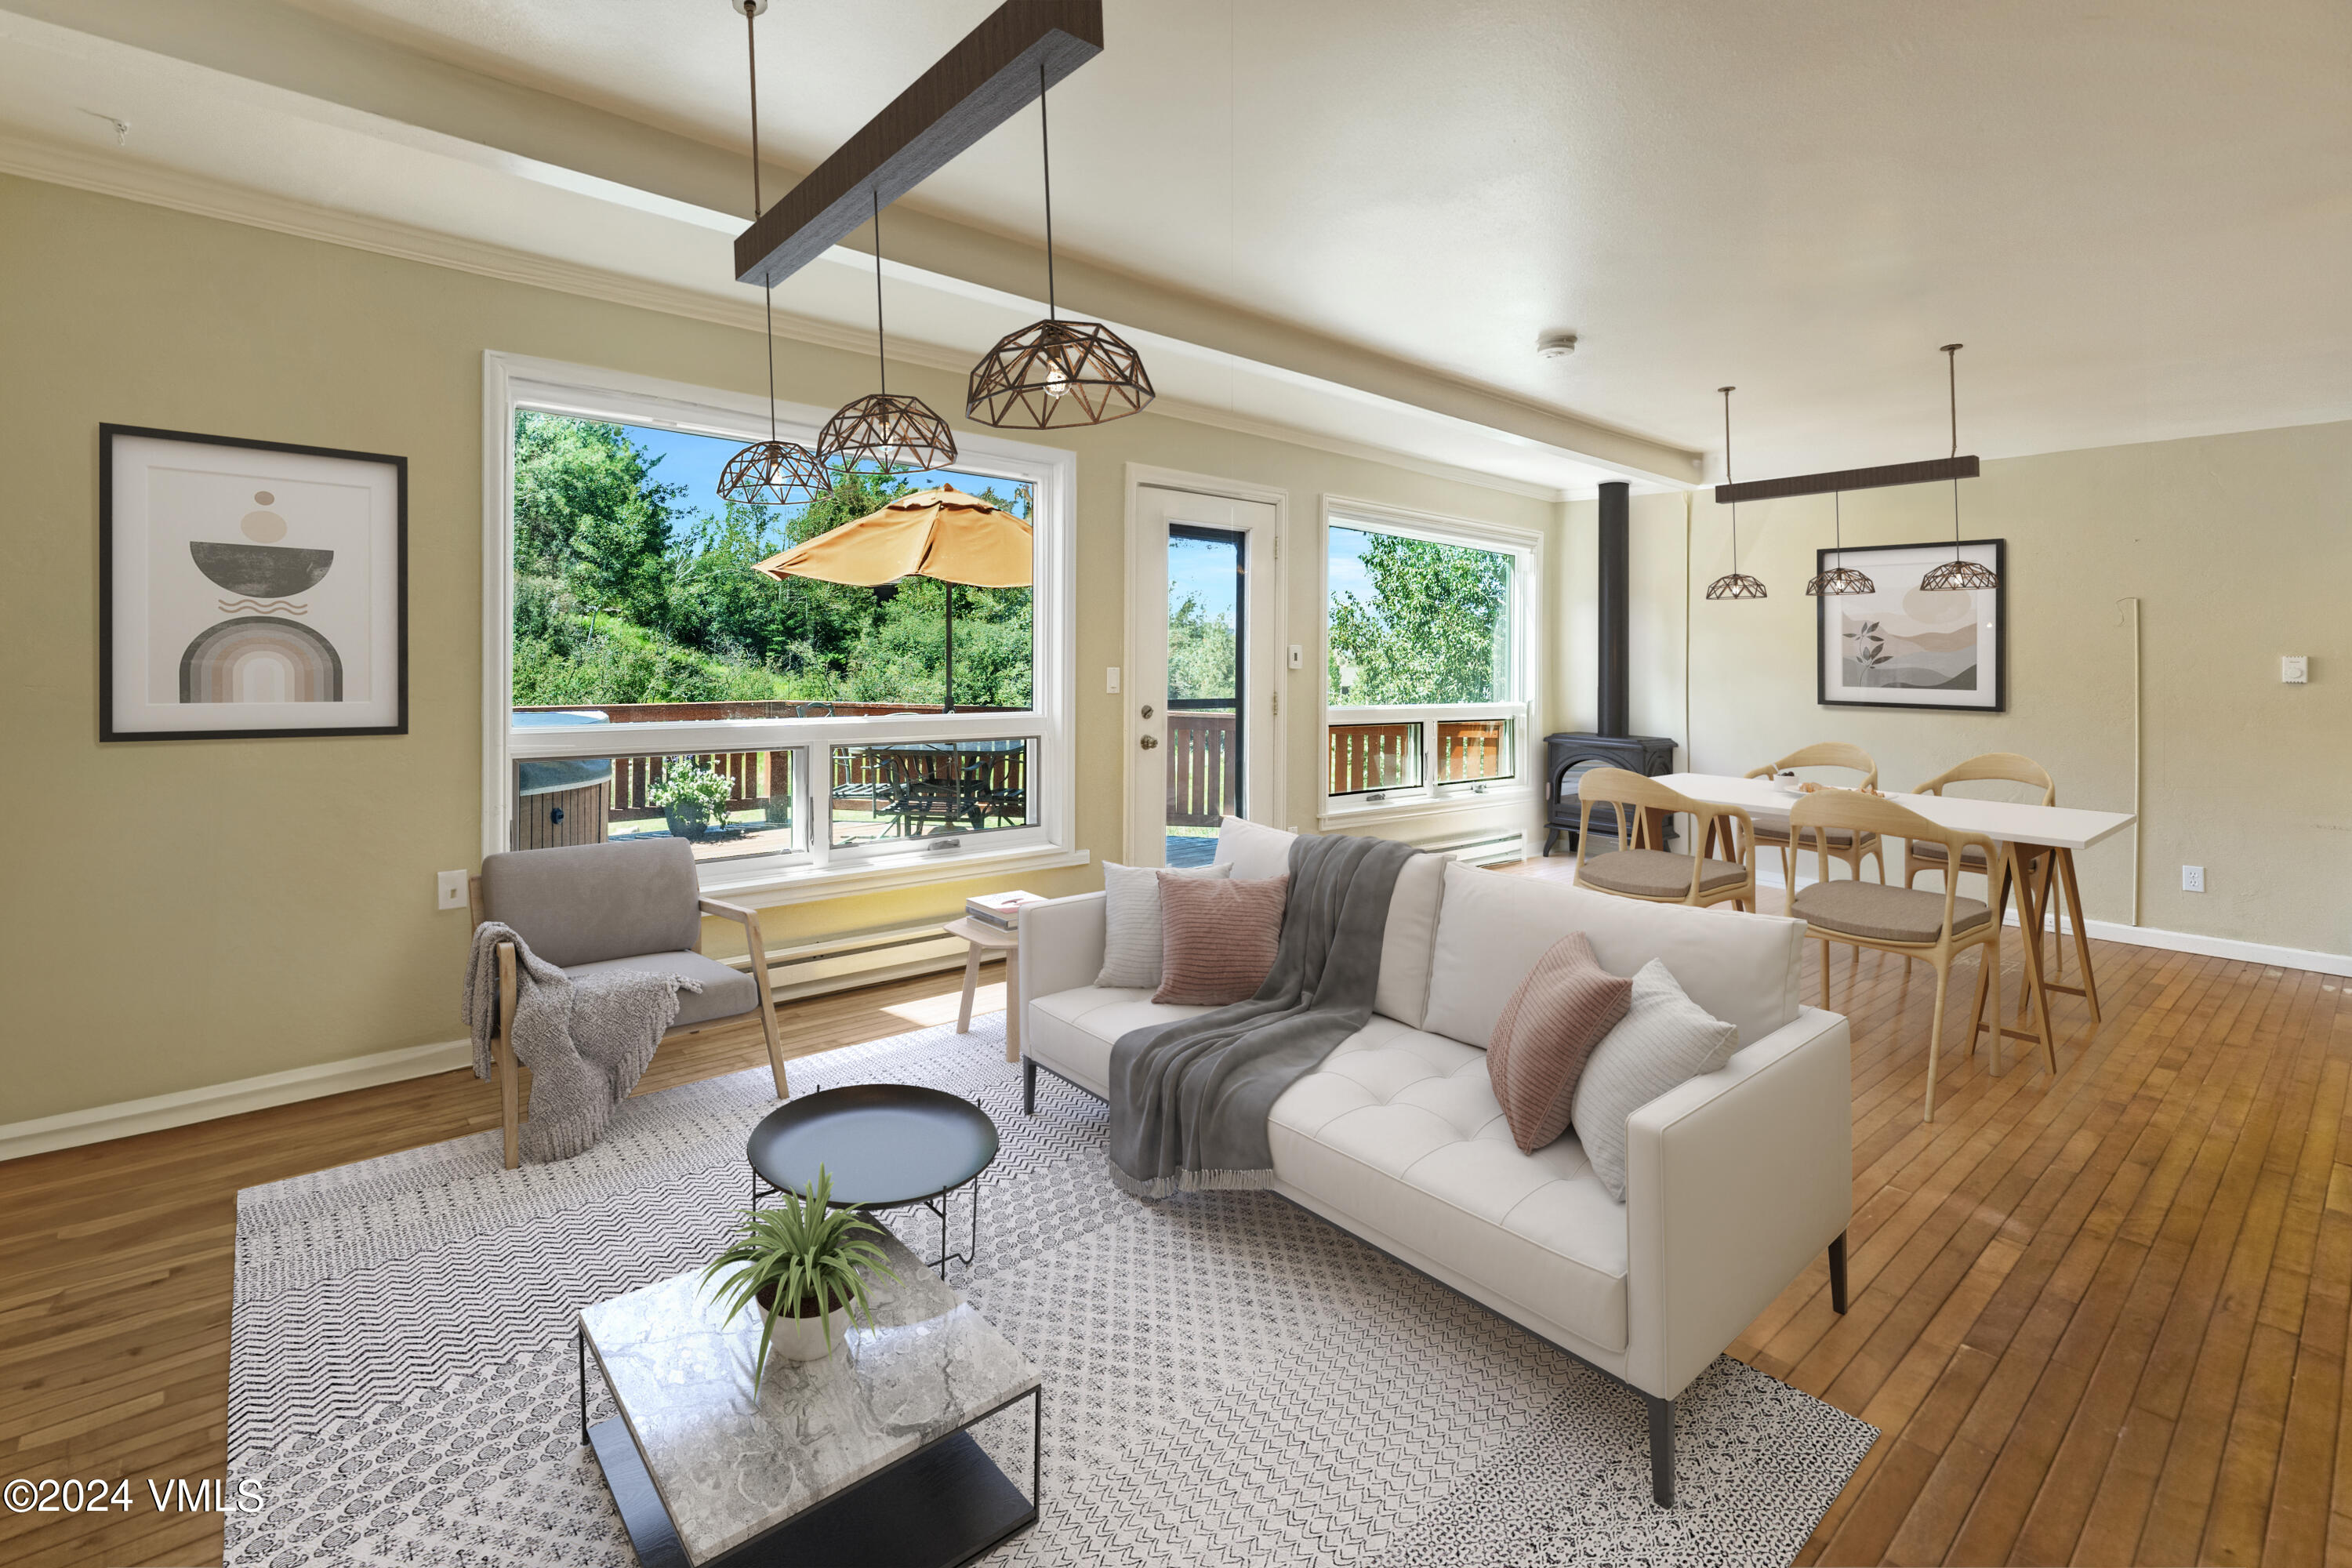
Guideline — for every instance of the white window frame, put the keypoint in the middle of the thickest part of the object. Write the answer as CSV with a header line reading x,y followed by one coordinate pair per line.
x,y
813,870
1431,797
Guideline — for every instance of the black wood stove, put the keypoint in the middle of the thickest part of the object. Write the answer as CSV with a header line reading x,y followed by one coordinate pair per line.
x,y
1566,756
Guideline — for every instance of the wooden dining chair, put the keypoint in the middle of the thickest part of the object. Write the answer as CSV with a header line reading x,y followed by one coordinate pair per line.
x,y
2007,767
1935,928
1849,847
1641,870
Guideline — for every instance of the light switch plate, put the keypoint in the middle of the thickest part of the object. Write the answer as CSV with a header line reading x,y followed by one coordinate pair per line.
x,y
450,888
1298,656
1110,681
2193,879
2295,670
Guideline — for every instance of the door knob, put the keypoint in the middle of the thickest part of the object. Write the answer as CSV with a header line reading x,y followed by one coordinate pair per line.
x,y
1149,741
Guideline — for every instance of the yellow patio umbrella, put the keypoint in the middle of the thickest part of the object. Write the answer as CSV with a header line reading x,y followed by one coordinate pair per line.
x,y
942,533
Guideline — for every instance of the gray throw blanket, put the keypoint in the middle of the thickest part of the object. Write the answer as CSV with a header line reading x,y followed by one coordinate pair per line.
x,y
585,1041
1189,1101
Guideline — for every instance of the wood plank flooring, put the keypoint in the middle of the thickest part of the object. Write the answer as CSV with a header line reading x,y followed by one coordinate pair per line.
x,y
2097,1319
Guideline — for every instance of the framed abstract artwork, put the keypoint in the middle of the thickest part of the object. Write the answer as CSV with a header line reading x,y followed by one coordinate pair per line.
x,y
249,588
1904,646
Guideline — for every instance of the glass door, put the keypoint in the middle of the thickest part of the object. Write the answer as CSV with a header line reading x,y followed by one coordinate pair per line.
x,y
1208,586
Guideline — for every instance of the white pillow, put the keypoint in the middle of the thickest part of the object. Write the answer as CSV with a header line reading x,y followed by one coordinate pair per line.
x,y
1664,1039
1132,920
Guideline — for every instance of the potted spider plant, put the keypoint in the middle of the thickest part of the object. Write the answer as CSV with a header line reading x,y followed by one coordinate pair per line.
x,y
800,1263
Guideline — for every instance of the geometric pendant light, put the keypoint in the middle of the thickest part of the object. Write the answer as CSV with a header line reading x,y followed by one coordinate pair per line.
x,y
1055,373
770,472
1734,584
1841,579
1955,575
885,430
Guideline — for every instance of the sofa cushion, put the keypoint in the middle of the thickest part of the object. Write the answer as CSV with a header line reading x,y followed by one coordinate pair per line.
x,y
725,993
589,901
1492,928
1132,920
1410,937
1255,851
1399,1129
1665,1039
1072,1032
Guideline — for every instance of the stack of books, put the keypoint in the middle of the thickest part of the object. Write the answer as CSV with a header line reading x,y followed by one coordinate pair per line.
x,y
1002,911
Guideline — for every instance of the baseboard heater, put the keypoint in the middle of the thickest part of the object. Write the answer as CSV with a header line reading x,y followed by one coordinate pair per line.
x,y
1477,846
858,958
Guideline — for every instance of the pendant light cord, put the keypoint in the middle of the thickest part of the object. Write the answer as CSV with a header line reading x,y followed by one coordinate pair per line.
x,y
1045,148
1727,392
881,343
768,289
1952,390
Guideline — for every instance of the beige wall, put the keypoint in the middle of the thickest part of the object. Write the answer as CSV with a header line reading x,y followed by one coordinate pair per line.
x,y
2239,548
187,913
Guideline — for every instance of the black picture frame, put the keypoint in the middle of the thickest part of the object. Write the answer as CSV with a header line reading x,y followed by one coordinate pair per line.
x,y
1896,568
108,729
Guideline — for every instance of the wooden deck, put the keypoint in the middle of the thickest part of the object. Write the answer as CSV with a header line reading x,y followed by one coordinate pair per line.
x,y
2098,1320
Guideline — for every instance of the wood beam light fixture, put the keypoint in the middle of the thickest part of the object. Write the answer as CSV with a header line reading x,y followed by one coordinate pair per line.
x,y
1054,372
770,472
1954,468
1734,584
1022,48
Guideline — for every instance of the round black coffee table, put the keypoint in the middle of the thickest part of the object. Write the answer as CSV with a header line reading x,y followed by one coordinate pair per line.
x,y
883,1145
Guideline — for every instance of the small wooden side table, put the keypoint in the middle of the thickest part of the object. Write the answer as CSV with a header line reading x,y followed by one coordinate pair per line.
x,y
986,939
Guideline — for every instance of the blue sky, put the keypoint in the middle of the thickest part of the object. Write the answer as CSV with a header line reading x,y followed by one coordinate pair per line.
x,y
1348,575
695,462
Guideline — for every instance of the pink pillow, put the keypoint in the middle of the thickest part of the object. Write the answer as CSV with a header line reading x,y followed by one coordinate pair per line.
x,y
1217,940
1561,1010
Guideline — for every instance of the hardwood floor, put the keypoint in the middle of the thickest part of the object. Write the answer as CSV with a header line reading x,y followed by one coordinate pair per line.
x,y
2098,1319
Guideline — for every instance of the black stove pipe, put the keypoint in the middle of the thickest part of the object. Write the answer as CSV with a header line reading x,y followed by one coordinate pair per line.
x,y
1616,594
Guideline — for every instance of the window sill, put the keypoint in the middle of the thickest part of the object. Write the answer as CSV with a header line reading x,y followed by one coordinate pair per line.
x,y
807,884
1408,810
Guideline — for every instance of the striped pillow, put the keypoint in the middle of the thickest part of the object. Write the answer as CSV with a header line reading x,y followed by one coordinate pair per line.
x,y
1665,1039
1217,939
1561,1011
1131,922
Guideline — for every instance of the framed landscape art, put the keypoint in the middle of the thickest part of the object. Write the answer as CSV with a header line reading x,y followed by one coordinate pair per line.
x,y
249,588
1904,647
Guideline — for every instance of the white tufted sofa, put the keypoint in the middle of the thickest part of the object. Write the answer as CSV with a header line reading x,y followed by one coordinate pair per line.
x,y
1735,1180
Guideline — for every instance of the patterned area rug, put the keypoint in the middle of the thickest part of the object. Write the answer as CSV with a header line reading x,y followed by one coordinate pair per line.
x,y
1228,1379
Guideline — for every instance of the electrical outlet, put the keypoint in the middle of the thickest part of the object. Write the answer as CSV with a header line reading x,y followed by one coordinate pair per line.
x,y
1110,681
2295,670
450,888
2193,879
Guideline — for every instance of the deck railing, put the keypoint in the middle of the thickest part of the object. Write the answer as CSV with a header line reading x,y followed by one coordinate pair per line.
x,y
1202,758
1387,756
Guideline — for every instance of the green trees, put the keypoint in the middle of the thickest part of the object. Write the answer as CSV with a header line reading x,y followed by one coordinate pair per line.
x,y
1200,651
1436,628
625,593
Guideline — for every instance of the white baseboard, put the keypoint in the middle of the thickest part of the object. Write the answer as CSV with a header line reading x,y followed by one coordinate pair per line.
x,y
2338,963
99,1122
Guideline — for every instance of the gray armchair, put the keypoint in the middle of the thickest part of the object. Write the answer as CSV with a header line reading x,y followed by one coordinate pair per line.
x,y
592,908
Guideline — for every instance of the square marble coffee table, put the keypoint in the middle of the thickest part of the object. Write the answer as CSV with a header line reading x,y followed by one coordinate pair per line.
x,y
860,1458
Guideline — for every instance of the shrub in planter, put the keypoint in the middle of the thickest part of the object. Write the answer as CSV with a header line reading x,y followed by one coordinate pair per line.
x,y
690,796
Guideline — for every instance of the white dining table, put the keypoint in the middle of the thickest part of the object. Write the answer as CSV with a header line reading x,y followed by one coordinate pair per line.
x,y
2062,829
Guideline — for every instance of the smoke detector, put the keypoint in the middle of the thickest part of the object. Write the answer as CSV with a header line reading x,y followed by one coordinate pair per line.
x,y
1558,345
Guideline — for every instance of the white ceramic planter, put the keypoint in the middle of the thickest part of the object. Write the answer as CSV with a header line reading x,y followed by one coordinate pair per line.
x,y
804,1338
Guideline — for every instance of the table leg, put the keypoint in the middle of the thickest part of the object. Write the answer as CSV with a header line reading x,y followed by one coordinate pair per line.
x,y
2037,993
971,983
1013,1005
2073,896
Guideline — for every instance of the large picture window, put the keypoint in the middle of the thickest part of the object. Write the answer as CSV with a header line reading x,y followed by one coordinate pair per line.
x,y
1426,678
648,681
